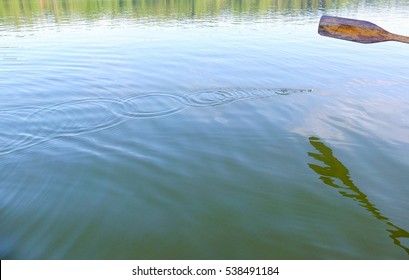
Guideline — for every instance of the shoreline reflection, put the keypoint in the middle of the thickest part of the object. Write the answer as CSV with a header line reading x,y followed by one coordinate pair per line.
x,y
28,11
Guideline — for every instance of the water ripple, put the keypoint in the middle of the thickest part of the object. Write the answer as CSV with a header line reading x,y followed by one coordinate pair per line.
x,y
150,105
75,117
21,129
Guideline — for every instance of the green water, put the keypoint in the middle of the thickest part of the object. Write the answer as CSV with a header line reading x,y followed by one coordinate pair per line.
x,y
201,130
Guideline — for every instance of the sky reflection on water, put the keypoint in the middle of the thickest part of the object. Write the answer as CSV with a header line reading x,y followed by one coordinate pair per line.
x,y
121,137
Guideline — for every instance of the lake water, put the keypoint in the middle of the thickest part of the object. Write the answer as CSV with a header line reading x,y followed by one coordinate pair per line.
x,y
201,130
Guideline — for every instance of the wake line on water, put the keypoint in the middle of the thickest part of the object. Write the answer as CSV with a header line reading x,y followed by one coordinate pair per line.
x,y
20,130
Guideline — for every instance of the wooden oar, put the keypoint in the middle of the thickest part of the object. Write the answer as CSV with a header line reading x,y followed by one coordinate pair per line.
x,y
356,30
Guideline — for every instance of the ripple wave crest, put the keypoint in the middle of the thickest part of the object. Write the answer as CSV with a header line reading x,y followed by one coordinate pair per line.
x,y
21,129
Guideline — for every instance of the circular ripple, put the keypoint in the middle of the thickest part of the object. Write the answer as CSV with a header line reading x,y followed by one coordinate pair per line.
x,y
150,105
11,135
21,129
210,98
72,118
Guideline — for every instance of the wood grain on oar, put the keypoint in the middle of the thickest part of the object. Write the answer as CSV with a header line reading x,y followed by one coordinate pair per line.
x,y
356,30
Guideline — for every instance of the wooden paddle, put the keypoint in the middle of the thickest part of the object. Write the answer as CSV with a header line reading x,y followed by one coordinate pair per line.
x,y
356,30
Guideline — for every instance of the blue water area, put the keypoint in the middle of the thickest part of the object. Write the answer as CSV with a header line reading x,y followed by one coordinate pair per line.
x,y
201,130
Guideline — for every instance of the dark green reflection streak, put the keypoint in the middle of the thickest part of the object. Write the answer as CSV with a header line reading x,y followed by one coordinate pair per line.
x,y
334,169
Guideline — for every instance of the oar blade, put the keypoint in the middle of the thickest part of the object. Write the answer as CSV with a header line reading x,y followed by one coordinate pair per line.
x,y
359,31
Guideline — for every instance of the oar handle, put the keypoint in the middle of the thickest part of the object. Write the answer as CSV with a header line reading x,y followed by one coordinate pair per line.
x,y
399,38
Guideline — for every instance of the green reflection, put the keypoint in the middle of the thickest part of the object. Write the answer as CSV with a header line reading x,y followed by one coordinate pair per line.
x,y
336,175
28,11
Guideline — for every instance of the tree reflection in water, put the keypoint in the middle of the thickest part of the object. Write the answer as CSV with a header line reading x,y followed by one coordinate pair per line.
x,y
28,11
333,173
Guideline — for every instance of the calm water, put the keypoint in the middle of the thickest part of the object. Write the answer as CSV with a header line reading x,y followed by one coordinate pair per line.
x,y
201,130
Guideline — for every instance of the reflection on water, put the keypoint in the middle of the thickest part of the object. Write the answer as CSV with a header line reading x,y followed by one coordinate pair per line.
x,y
168,175
22,128
26,11
336,175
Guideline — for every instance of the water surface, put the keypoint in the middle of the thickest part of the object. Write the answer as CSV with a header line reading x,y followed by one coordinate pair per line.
x,y
201,130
